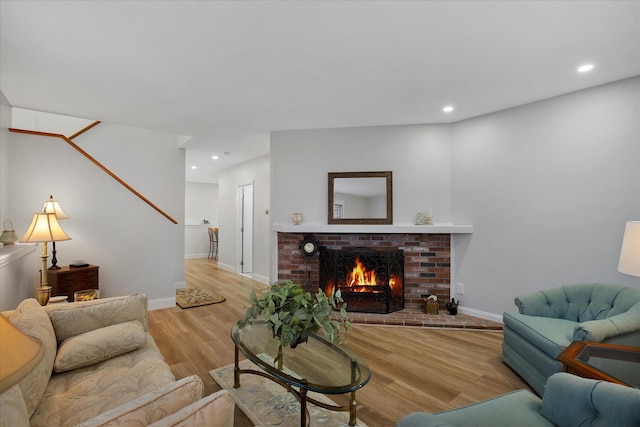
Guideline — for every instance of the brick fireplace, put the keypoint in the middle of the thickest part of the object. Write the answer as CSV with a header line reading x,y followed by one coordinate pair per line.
x,y
427,260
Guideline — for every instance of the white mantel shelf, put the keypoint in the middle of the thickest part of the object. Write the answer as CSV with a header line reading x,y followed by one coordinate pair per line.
x,y
355,228
9,253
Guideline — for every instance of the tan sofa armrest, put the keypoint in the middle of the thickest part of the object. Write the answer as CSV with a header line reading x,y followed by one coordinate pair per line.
x,y
76,318
215,410
152,406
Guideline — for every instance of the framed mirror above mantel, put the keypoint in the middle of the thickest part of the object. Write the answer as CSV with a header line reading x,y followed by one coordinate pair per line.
x,y
360,198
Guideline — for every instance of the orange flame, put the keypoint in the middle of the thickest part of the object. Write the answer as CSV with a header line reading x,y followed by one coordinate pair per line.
x,y
329,288
396,286
359,276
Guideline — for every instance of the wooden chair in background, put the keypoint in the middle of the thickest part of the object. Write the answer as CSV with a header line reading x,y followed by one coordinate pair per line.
x,y
213,243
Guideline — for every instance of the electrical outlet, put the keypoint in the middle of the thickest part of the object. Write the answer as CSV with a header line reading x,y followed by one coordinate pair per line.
x,y
460,288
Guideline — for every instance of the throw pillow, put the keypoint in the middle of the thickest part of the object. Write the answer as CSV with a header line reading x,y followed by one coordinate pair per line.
x,y
79,317
99,345
215,410
32,319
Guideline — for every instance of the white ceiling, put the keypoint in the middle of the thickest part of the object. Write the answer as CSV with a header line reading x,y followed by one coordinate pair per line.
x,y
228,72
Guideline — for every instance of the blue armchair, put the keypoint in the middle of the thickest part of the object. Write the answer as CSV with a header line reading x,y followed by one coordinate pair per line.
x,y
568,401
548,321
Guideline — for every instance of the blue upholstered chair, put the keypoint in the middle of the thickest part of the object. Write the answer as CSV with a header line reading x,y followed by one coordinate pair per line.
x,y
568,401
548,321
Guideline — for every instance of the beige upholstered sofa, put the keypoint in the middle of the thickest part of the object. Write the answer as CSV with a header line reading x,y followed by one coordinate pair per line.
x,y
101,367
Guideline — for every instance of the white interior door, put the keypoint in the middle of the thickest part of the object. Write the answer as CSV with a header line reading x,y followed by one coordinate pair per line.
x,y
245,236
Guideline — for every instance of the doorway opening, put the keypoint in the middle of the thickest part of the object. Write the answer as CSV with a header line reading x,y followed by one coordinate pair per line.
x,y
245,230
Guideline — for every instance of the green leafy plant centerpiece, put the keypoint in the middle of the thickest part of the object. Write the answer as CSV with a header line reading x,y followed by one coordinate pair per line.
x,y
295,314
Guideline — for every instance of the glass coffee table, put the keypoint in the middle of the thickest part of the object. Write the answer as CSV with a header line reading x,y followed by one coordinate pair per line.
x,y
614,363
317,365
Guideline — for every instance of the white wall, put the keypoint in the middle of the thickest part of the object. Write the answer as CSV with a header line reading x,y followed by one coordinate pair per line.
x,y
418,156
18,279
137,249
255,172
201,203
548,187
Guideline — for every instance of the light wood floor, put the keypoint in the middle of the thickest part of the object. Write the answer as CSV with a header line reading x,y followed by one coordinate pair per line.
x,y
413,369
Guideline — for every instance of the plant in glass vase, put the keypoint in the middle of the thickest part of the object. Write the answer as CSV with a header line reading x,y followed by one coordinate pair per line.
x,y
295,314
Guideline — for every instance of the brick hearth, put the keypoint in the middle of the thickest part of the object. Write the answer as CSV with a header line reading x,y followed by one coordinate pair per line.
x,y
408,317
427,261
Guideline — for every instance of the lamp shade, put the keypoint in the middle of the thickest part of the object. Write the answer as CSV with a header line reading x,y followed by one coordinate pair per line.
x,y
44,228
52,206
19,354
630,252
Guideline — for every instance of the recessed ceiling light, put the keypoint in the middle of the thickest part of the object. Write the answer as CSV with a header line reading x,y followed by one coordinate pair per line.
x,y
194,167
585,68
448,109
214,157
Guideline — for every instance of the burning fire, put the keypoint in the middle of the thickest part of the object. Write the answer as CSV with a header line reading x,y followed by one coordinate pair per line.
x,y
361,280
328,288
359,276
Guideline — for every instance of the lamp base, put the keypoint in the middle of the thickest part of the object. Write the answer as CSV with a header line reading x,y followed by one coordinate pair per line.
x,y
43,293
54,260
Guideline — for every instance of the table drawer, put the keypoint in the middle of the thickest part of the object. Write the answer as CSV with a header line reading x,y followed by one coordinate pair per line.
x,y
84,275
67,281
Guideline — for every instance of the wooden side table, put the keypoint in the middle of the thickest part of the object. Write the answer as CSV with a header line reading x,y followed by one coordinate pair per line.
x,y
66,280
614,363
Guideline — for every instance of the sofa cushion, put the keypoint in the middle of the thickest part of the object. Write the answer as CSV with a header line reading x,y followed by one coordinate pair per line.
x,y
592,403
98,345
79,317
548,334
215,410
32,319
76,396
152,406
13,412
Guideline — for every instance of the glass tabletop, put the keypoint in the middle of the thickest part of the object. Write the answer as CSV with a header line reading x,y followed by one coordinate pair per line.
x,y
622,363
317,365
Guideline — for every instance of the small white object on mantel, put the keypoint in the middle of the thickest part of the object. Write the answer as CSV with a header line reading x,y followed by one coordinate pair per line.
x,y
374,228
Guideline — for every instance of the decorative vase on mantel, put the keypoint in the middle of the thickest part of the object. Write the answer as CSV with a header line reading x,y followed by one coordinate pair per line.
x,y
8,236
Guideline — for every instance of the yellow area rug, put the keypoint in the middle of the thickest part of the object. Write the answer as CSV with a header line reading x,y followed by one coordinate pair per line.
x,y
195,297
267,403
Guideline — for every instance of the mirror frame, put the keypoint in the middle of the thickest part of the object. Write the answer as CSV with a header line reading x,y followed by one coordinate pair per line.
x,y
389,189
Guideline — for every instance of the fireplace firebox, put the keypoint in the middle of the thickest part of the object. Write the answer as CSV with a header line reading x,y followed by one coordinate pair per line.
x,y
370,281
